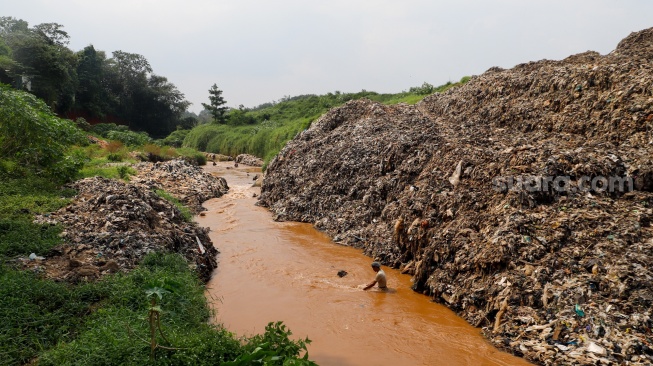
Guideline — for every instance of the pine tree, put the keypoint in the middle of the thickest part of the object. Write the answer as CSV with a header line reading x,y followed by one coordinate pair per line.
x,y
217,106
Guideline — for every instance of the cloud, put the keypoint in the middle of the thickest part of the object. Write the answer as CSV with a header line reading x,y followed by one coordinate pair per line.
x,y
258,51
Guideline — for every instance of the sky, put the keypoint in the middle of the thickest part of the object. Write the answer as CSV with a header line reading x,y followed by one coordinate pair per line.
x,y
259,51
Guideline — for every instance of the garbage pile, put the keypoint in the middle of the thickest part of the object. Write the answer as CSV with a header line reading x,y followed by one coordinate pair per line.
x,y
187,182
111,225
522,200
250,160
218,157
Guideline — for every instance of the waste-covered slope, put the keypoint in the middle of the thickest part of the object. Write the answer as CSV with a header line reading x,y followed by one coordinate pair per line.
x,y
558,267
111,225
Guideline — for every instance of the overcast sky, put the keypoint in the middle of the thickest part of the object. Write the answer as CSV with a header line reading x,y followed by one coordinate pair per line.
x,y
259,51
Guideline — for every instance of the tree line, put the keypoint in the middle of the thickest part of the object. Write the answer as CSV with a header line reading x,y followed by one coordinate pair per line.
x,y
122,88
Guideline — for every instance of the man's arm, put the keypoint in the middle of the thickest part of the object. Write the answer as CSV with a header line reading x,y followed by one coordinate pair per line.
x,y
369,285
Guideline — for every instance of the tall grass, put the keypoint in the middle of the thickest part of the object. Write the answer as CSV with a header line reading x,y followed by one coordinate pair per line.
x,y
276,123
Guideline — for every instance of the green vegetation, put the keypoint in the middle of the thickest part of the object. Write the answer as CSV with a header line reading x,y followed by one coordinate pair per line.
x,y
109,162
37,314
186,214
87,83
120,133
175,139
217,106
108,322
262,131
273,347
34,138
20,199
117,332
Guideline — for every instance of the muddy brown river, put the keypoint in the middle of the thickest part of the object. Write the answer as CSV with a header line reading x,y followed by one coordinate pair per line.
x,y
270,271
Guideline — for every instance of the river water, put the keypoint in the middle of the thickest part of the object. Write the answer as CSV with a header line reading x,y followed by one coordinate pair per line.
x,y
270,271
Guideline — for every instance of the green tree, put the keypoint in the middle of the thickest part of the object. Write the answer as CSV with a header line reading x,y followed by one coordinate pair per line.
x,y
41,61
6,63
92,95
217,106
160,107
127,80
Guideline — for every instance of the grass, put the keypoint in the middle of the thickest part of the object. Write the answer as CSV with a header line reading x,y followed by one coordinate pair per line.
x,y
115,333
114,160
38,314
186,213
20,200
110,162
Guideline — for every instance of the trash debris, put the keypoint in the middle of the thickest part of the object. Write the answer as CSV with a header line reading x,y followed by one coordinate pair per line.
x,y
580,123
594,348
186,182
342,273
111,225
34,257
250,160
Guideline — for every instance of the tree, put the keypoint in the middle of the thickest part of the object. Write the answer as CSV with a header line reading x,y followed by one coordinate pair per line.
x,y
41,62
53,33
6,63
92,95
217,106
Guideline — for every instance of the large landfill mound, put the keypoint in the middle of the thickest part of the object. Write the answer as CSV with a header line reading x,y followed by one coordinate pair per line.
x,y
111,224
522,200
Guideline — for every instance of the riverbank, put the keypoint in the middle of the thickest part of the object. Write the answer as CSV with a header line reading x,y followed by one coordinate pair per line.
x,y
458,191
78,285
288,271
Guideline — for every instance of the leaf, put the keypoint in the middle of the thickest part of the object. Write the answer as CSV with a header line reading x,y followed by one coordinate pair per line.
x,y
158,291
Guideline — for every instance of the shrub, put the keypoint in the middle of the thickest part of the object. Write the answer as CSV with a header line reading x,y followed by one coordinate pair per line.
x,y
175,139
186,214
129,138
82,124
274,347
114,157
103,129
34,137
125,172
114,146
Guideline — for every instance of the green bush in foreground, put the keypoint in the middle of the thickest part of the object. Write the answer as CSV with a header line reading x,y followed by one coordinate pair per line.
x,y
117,332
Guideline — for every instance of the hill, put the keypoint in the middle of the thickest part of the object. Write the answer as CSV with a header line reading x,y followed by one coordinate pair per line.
x,y
263,130
521,199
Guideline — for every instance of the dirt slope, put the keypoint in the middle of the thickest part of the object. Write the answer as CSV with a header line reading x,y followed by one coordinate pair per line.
x,y
557,268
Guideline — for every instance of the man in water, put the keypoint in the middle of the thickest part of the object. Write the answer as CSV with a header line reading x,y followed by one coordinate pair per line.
x,y
380,278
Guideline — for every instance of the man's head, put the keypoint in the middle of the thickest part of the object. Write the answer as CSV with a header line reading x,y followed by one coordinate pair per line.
x,y
376,266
